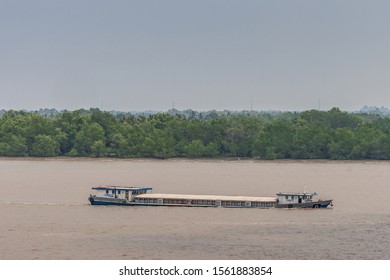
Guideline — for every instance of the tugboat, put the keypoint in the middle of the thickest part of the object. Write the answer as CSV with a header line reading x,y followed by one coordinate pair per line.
x,y
116,195
141,196
301,200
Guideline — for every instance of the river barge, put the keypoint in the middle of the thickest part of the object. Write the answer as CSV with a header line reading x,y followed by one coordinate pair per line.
x,y
141,196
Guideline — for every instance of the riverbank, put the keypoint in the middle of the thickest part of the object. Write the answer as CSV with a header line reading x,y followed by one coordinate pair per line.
x,y
217,159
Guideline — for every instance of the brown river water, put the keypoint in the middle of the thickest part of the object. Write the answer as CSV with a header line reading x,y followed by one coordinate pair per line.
x,y
44,211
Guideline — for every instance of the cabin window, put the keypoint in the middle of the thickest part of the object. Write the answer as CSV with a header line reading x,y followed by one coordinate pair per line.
x,y
138,192
119,192
146,200
106,191
113,191
286,196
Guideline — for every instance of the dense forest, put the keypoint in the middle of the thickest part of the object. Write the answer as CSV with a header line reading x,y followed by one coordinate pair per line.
x,y
94,133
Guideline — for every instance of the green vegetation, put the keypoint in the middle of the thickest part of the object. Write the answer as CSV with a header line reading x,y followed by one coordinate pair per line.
x,y
94,133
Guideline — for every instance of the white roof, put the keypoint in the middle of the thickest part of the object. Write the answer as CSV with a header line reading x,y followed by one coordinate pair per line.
x,y
206,197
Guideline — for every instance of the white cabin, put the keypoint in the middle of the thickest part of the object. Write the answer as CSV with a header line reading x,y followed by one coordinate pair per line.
x,y
292,198
115,192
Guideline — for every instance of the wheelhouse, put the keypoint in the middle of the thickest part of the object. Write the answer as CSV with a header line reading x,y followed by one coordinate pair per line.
x,y
125,193
295,198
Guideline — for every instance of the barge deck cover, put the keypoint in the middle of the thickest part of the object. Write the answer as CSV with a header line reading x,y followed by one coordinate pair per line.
x,y
205,197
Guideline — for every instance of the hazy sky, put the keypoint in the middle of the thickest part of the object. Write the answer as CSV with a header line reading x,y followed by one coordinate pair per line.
x,y
199,54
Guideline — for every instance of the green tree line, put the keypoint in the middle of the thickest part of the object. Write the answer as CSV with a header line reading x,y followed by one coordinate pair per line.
x,y
94,133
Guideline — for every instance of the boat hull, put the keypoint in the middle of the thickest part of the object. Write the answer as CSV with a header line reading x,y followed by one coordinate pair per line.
x,y
97,202
314,204
117,203
120,202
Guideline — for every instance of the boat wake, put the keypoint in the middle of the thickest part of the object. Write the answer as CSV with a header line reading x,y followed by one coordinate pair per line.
x,y
43,203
